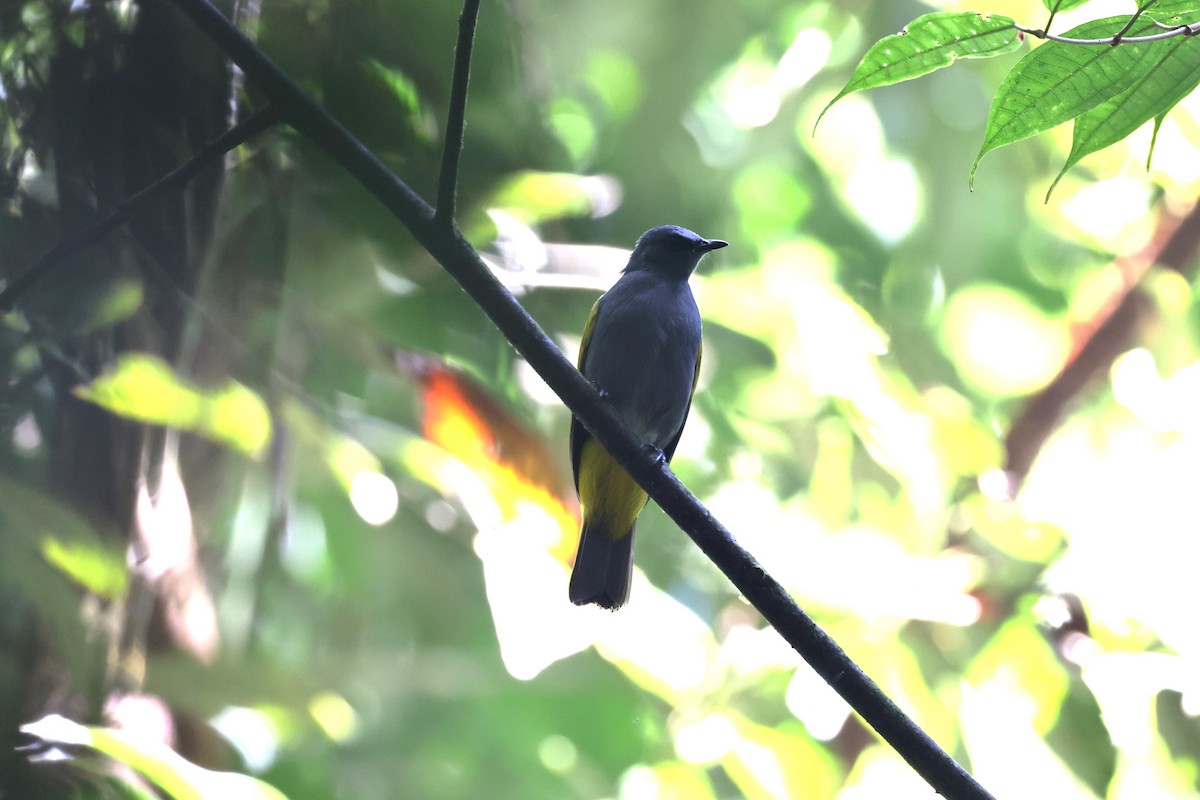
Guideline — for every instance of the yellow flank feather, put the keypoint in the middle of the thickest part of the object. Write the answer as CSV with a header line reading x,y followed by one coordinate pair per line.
x,y
611,500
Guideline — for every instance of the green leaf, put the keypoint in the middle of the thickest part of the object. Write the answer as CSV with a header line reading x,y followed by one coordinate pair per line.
x,y
1055,6
177,777
1177,11
930,43
40,526
782,761
89,563
405,90
1158,121
119,301
1172,78
1019,659
1177,727
1057,82
145,388
675,779
1013,534
535,197
45,551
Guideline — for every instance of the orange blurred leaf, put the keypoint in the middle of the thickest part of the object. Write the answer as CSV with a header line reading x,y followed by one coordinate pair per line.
x,y
463,419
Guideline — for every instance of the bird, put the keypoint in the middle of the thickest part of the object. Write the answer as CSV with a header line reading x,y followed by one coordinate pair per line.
x,y
641,349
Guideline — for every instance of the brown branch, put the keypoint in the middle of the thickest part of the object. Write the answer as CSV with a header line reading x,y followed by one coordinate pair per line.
x,y
1110,338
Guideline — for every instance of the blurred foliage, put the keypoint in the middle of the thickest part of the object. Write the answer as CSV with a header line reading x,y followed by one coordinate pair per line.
x,y
386,540
164,768
143,388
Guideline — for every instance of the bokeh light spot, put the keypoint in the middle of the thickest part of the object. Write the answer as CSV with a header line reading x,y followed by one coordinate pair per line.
x,y
374,497
334,715
251,733
1000,343
558,754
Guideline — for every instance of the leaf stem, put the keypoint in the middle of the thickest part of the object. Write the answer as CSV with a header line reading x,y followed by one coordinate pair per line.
x,y
1053,14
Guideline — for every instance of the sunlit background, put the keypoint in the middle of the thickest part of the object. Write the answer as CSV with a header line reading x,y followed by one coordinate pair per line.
x,y
359,554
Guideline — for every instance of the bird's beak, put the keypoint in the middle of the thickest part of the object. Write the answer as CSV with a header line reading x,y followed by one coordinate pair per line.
x,y
713,244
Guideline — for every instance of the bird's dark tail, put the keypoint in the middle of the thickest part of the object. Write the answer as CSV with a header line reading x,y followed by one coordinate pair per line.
x,y
603,568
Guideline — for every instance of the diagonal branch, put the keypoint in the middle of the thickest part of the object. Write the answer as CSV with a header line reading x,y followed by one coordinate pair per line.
x,y
1112,336
457,116
130,208
451,250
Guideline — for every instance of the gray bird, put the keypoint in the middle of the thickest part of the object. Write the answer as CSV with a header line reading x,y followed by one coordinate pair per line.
x,y
641,348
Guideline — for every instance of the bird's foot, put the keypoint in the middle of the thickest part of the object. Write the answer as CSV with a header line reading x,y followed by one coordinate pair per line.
x,y
656,453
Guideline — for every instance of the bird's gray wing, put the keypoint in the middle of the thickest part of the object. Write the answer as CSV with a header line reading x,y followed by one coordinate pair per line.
x,y
579,434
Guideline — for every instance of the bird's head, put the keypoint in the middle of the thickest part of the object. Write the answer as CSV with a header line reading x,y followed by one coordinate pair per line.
x,y
671,250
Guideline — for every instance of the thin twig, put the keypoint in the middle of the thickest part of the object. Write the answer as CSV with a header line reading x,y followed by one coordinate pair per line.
x,y
1116,40
451,250
456,117
1166,26
131,207
1182,30
1053,14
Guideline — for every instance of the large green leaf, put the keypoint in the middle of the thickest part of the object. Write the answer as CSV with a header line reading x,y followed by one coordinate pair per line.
x,y
1170,80
929,43
1176,11
1082,741
1058,81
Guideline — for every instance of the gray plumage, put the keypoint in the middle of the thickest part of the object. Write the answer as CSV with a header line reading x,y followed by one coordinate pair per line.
x,y
642,351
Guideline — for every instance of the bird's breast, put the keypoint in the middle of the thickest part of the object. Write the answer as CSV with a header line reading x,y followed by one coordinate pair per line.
x,y
642,354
